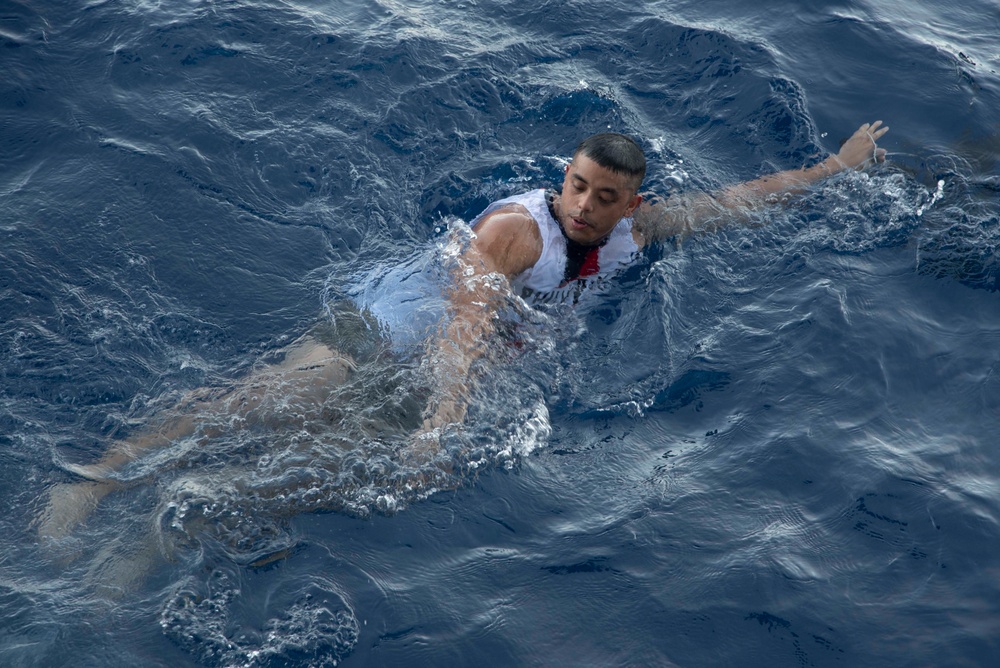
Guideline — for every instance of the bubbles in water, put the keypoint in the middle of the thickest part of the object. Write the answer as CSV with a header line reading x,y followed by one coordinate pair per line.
x,y
314,625
938,194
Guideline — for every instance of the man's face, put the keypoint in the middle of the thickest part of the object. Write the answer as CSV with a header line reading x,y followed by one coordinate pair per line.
x,y
593,200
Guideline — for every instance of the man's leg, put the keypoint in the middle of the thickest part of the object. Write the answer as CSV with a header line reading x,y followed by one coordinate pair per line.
x,y
302,381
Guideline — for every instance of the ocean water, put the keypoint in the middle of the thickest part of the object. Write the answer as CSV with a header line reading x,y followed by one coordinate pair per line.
x,y
771,446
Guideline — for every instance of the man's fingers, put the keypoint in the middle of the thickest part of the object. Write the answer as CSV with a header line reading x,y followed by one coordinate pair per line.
x,y
872,129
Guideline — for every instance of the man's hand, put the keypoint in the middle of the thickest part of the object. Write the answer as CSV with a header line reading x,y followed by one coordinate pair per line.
x,y
425,443
860,150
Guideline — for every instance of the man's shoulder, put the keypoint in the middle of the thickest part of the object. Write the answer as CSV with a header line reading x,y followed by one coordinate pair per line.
x,y
510,237
514,222
509,218
530,203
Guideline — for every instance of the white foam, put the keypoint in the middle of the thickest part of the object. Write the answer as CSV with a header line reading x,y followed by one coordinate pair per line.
x,y
938,194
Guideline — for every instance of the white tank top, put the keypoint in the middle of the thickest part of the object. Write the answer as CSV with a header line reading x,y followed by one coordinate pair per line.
x,y
543,283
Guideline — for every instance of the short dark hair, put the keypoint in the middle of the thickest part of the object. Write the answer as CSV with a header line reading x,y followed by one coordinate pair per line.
x,y
617,152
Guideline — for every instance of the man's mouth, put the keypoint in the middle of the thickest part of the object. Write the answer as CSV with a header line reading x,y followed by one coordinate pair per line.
x,y
578,223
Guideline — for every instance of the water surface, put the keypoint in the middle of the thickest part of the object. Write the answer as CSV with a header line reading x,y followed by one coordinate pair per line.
x,y
774,446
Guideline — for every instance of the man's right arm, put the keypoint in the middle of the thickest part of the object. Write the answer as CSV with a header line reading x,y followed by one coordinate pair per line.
x,y
506,243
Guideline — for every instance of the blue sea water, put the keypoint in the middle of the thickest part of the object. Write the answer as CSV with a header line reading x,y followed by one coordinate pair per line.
x,y
771,446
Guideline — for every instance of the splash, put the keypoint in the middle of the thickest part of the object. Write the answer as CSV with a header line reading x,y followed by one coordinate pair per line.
x,y
935,198
314,625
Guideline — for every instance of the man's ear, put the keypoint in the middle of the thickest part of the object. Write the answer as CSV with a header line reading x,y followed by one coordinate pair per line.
x,y
633,205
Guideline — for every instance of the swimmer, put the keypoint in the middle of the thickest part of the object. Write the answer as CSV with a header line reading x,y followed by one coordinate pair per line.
x,y
544,246
548,247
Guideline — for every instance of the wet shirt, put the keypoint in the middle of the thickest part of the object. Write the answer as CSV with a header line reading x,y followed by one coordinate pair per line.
x,y
565,268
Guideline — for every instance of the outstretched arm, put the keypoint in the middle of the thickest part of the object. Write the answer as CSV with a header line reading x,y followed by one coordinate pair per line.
x,y
684,216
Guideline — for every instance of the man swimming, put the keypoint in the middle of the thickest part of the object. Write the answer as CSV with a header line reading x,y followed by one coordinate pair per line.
x,y
543,246
548,247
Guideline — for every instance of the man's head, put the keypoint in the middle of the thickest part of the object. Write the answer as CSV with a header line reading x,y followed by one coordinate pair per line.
x,y
618,153
601,186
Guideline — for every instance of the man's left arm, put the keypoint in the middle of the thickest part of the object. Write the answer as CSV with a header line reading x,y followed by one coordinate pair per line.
x,y
684,216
